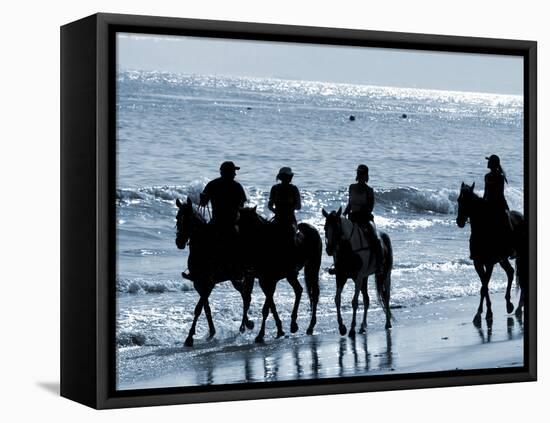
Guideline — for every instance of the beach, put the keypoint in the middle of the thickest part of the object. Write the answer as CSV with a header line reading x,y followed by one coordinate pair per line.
x,y
174,131
433,337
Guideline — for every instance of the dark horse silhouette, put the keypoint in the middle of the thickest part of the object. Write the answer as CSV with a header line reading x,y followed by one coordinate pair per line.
x,y
355,259
274,259
486,248
208,265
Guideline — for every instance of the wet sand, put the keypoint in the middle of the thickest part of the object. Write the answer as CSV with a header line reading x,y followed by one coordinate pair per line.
x,y
433,337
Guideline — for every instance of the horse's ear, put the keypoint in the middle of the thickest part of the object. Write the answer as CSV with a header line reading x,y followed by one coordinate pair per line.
x,y
254,208
189,202
473,186
462,185
339,212
178,203
325,213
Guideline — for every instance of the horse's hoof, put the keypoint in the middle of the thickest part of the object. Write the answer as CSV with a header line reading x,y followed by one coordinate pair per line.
x,y
259,339
477,320
188,342
343,330
309,331
249,324
242,328
280,334
388,325
362,330
293,327
351,333
509,307
211,335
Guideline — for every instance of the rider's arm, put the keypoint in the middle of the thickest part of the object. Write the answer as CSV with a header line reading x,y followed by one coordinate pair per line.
x,y
204,197
271,202
370,200
486,191
297,199
348,207
243,198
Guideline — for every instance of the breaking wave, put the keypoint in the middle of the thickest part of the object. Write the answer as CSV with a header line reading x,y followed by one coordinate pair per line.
x,y
147,286
407,199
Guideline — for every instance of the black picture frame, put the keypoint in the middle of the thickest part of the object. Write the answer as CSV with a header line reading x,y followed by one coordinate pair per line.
x,y
88,208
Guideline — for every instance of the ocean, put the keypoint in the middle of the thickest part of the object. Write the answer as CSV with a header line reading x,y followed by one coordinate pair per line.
x,y
173,131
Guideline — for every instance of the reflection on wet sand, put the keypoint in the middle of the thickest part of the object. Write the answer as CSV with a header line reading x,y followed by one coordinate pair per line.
x,y
512,331
418,343
315,358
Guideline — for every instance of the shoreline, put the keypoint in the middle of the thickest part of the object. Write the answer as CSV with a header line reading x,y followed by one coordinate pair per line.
x,y
431,337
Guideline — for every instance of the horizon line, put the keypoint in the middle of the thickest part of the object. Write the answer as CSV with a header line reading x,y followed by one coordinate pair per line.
x,y
279,78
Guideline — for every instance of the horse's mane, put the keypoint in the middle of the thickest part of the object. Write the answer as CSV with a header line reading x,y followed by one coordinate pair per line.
x,y
262,219
477,198
197,214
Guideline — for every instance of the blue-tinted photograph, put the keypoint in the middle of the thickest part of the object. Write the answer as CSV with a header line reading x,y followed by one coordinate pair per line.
x,y
290,211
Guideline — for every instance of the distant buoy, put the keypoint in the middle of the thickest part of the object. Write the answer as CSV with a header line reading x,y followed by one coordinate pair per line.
x,y
352,118
404,116
249,108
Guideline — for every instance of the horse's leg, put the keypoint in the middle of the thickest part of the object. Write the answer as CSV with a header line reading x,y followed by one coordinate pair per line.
x,y
313,321
488,273
366,303
245,289
265,310
340,282
208,314
278,323
355,303
519,308
505,264
198,310
480,269
293,280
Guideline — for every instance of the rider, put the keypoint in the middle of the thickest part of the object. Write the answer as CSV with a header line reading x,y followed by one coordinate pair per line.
x,y
284,199
359,210
494,195
226,196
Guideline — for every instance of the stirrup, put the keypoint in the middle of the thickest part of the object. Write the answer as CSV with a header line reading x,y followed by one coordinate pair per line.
x,y
186,276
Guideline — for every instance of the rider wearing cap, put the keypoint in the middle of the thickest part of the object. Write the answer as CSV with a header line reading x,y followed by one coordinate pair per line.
x,y
494,195
359,211
226,196
284,200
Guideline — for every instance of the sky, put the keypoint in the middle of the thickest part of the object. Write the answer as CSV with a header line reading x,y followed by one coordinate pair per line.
x,y
355,65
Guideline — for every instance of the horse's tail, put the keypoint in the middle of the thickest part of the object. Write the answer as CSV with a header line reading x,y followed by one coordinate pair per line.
x,y
312,249
383,282
520,240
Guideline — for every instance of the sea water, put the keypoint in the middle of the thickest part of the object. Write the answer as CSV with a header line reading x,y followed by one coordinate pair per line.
x,y
173,131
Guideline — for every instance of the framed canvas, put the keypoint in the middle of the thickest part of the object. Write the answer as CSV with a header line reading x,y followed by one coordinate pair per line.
x,y
259,211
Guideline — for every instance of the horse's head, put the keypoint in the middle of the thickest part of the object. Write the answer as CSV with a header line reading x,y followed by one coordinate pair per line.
x,y
184,222
464,203
249,219
333,229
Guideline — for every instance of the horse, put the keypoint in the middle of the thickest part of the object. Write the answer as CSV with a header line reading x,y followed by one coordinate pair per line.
x,y
486,248
274,259
355,259
208,266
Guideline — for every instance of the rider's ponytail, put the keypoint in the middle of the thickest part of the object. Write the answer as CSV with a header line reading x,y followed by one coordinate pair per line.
x,y
502,172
